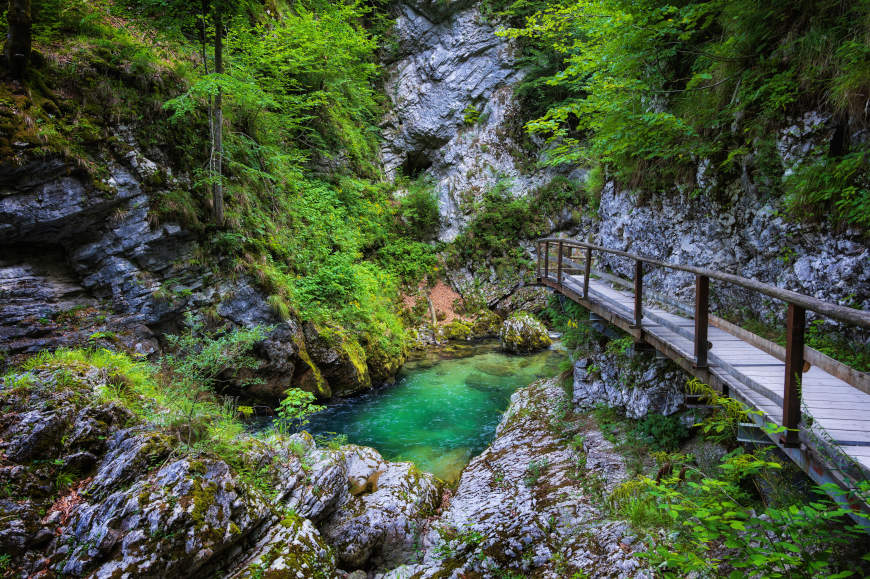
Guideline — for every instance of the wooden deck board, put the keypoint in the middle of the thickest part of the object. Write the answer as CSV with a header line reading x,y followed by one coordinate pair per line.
x,y
842,411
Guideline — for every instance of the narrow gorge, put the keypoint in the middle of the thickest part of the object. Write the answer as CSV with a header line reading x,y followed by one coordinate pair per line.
x,y
271,303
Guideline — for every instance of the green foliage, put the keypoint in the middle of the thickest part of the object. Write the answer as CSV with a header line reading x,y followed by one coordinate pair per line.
x,y
471,115
534,471
493,234
572,320
295,409
410,261
331,440
619,346
501,222
662,432
454,541
854,354
706,515
651,88
418,215
210,360
307,213
728,413
191,413
832,187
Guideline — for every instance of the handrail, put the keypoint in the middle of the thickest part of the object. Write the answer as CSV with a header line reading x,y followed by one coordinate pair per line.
x,y
842,313
795,316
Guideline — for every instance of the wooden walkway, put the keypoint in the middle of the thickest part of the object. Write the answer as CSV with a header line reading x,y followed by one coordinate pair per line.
x,y
830,439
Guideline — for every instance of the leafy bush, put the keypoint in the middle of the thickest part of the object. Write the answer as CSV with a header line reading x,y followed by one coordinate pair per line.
x,y
661,432
210,359
572,320
650,88
833,188
721,425
418,215
495,231
715,527
295,409
471,115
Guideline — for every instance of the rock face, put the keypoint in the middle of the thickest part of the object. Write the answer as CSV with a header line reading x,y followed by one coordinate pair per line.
x,y
747,236
379,521
522,332
453,109
84,262
451,89
90,491
525,504
633,382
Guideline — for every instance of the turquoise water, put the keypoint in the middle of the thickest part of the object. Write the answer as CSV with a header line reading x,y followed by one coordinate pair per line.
x,y
440,412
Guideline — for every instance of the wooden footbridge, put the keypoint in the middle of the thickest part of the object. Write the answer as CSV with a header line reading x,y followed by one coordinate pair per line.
x,y
816,409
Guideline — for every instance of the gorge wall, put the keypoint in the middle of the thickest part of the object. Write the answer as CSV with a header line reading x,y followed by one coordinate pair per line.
x,y
450,59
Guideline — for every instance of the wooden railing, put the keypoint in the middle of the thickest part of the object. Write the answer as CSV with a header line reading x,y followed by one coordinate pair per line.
x,y
795,355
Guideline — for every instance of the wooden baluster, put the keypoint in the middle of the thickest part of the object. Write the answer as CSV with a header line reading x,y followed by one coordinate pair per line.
x,y
546,259
794,365
587,273
702,310
559,266
638,293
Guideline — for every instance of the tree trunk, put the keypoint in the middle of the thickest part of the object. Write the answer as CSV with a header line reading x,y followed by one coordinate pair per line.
x,y
218,120
203,17
18,39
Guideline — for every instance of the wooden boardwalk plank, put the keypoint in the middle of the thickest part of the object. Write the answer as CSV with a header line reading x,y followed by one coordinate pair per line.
x,y
843,412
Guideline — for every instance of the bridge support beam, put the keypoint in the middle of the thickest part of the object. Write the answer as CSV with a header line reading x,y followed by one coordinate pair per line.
x,y
702,312
794,365
638,293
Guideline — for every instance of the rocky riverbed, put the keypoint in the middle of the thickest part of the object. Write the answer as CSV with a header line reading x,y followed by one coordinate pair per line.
x,y
89,490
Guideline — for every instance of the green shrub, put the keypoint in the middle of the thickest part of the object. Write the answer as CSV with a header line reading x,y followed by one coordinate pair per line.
x,y
495,231
572,320
661,432
295,409
418,215
707,515
212,359
832,188
470,115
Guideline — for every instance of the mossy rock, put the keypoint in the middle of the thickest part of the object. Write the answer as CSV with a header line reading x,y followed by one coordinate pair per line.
x,y
384,365
486,325
522,332
458,330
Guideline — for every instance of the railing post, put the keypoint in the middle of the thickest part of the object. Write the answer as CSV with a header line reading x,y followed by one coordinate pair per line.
x,y
702,309
539,248
638,293
587,273
559,271
546,259
794,365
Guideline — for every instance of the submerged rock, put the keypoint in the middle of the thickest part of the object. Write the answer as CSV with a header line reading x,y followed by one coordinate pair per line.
x,y
522,332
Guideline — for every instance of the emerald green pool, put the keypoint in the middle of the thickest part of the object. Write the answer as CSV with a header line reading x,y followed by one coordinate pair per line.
x,y
441,411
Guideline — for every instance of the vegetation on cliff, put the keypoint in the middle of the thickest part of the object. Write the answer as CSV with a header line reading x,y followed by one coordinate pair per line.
x,y
306,212
665,96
